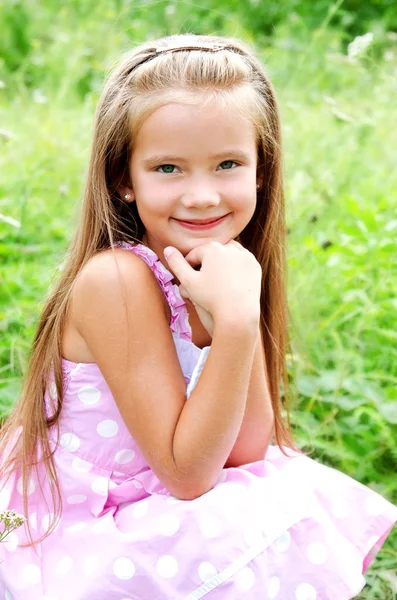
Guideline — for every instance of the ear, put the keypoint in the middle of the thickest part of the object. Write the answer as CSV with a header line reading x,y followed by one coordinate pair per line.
x,y
124,191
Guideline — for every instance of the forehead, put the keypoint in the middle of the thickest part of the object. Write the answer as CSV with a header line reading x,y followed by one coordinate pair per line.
x,y
192,128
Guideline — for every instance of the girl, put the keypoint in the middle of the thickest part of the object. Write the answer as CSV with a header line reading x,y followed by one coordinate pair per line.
x,y
140,449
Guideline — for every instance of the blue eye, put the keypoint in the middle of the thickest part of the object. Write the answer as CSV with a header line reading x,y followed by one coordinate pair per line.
x,y
228,162
167,167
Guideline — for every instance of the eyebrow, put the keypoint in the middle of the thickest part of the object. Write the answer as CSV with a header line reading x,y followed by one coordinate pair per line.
x,y
167,158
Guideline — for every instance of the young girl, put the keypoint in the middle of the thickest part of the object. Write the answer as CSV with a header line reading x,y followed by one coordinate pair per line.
x,y
140,450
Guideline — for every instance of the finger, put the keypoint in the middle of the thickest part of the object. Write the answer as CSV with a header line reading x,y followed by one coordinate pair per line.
x,y
236,244
183,293
178,265
195,256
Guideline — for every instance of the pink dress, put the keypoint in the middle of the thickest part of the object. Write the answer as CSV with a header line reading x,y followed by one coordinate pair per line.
x,y
284,528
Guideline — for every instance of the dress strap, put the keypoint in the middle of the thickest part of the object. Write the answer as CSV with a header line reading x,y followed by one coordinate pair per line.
x,y
179,316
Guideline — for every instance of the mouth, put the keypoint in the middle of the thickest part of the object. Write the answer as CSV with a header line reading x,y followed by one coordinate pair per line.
x,y
202,224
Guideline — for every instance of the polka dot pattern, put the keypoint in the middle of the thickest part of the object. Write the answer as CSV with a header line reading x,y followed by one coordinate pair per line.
x,y
31,574
167,566
124,568
70,442
80,465
169,525
89,395
124,457
283,527
140,509
30,488
273,587
64,566
317,553
245,579
206,571
107,428
76,499
305,591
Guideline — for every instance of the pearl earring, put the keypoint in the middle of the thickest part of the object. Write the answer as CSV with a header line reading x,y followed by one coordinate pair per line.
x,y
127,196
257,186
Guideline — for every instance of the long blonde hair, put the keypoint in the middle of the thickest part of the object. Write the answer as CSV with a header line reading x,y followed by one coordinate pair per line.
x,y
143,81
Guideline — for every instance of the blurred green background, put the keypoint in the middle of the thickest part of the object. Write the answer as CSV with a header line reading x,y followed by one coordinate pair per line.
x,y
334,67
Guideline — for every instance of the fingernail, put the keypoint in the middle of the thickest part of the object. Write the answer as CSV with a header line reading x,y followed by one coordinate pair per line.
x,y
168,251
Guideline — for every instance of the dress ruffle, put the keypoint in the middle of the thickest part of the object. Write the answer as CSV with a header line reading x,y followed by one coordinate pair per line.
x,y
179,323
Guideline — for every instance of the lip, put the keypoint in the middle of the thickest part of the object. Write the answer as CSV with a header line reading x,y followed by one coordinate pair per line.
x,y
202,224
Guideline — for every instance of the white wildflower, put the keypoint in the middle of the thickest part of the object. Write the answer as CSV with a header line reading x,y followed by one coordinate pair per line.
x,y
10,520
359,45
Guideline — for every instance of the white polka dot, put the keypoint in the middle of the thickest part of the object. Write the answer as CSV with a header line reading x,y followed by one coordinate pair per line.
x,y
76,527
124,456
31,574
273,587
283,541
167,566
100,486
80,465
244,579
45,523
169,524
206,571
305,591
33,520
30,489
76,499
90,565
374,505
107,429
89,394
70,442
210,526
317,553
124,568
64,565
11,542
138,484
5,496
140,509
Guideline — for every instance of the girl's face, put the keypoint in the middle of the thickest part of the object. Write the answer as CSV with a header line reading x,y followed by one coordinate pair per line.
x,y
192,163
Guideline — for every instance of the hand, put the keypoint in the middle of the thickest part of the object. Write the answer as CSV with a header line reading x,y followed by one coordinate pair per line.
x,y
227,286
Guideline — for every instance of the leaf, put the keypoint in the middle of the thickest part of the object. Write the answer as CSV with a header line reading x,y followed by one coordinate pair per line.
x,y
388,410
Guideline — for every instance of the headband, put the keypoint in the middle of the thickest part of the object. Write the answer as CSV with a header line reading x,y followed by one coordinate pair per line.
x,y
203,46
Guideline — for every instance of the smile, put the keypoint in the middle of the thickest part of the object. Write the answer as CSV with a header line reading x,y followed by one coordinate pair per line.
x,y
199,226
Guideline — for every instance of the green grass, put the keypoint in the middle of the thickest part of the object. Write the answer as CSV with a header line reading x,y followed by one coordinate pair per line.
x,y
339,141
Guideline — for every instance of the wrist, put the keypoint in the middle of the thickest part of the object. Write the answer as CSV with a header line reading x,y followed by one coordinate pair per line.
x,y
239,322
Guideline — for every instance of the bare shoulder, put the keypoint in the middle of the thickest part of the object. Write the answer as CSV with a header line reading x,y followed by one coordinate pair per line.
x,y
110,273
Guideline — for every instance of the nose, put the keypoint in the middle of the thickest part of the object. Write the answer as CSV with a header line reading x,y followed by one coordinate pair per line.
x,y
201,195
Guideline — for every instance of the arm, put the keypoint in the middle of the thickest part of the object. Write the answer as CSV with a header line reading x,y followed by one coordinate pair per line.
x,y
212,416
116,301
257,428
